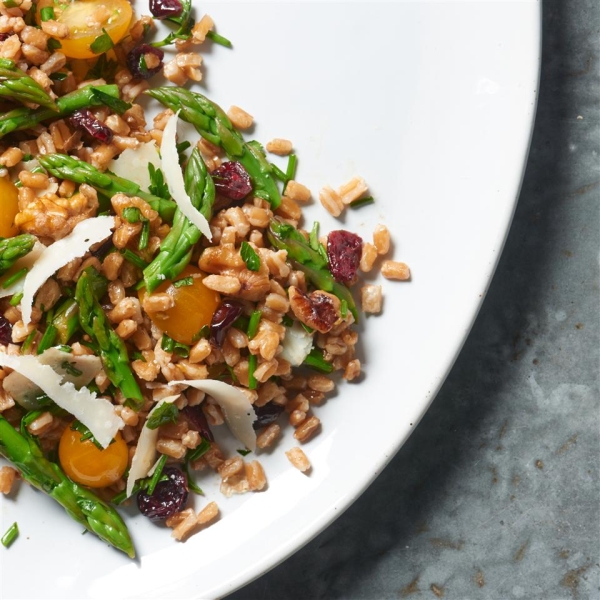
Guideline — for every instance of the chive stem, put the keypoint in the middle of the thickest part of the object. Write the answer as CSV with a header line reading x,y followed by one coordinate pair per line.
x,y
11,534
219,39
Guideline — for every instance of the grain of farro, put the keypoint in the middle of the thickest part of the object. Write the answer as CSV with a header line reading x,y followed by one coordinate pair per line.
x,y
297,457
267,436
352,370
371,298
395,270
331,201
279,146
240,118
307,429
41,424
368,257
297,192
225,284
8,476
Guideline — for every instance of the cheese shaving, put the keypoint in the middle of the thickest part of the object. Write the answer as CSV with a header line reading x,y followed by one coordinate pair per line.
x,y
75,245
25,262
143,459
237,410
174,177
133,163
297,345
97,414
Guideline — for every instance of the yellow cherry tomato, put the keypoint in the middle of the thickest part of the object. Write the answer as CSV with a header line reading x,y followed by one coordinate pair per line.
x,y
87,20
9,207
194,307
87,464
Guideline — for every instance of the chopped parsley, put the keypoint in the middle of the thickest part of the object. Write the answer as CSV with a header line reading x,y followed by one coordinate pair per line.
x,y
250,257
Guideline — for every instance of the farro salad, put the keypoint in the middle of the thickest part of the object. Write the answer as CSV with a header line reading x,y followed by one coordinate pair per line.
x,y
152,289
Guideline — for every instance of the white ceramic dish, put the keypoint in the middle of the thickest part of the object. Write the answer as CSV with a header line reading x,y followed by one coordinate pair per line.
x,y
433,103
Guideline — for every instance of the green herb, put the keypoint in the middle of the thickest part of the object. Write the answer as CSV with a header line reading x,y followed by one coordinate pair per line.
x,y
60,76
86,434
53,44
16,299
316,361
290,172
142,64
344,309
241,323
132,214
253,324
158,186
219,39
203,333
192,485
47,339
11,4
105,68
287,321
46,13
279,173
65,348
181,148
11,534
362,202
313,237
14,277
184,30
102,43
167,412
144,235
186,281
244,452
306,328
71,369
200,450
252,364
27,157
181,350
134,259
167,343
116,104
250,257
137,355
25,347
157,475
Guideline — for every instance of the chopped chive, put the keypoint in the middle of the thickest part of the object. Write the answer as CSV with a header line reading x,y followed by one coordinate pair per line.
x,y
59,76
53,44
28,342
313,237
167,343
28,157
362,202
46,13
132,214
11,535
279,173
194,487
184,282
290,172
134,259
15,277
70,368
219,39
10,4
344,309
203,333
116,104
65,348
102,43
16,299
307,328
253,324
252,364
157,474
137,355
181,350
316,361
244,451
144,235
198,451
47,339
165,413
287,321
250,257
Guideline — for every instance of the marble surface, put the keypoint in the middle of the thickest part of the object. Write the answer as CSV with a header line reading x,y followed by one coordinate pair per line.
x,y
496,494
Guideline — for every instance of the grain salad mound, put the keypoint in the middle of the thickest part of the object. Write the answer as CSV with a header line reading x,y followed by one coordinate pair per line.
x,y
153,289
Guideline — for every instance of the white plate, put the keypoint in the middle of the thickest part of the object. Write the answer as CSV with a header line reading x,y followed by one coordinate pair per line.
x,y
433,104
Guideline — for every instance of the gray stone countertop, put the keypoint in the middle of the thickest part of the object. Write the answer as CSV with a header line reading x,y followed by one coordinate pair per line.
x,y
496,495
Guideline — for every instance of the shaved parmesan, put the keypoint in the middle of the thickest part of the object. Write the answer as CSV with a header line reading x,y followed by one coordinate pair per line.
x,y
236,407
97,414
76,244
174,177
143,459
297,345
133,164
25,262
78,369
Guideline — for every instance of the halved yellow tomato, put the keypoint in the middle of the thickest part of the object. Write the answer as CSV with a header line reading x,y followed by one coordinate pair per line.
x,y
87,464
194,307
87,20
9,207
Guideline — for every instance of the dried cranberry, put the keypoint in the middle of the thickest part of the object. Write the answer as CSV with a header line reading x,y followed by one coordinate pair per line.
x,y
166,9
168,496
5,331
267,414
224,317
197,419
144,61
84,119
232,180
344,250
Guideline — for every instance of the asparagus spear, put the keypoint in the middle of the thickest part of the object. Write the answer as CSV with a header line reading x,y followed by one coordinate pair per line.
x,y
17,85
14,248
25,118
84,506
111,348
213,124
176,248
64,166
285,237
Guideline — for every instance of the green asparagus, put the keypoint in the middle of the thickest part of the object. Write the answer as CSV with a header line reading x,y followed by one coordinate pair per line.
x,y
81,504
64,166
110,347
14,248
213,124
176,248
25,118
285,237
18,86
